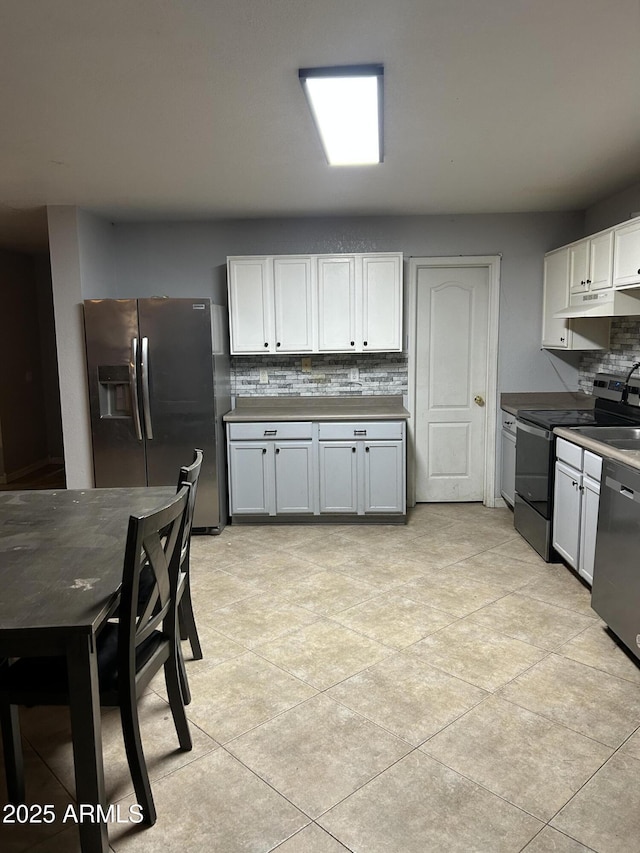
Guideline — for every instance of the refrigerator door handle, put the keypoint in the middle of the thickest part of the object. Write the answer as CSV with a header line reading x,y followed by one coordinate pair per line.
x,y
133,384
144,369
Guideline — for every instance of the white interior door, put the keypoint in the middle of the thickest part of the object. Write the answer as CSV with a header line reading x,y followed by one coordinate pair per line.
x,y
452,311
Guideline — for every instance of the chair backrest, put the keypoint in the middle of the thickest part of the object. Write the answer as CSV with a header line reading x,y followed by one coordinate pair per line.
x,y
189,476
153,544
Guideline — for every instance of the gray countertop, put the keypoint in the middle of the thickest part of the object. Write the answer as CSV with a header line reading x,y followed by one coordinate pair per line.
x,y
628,457
511,402
379,408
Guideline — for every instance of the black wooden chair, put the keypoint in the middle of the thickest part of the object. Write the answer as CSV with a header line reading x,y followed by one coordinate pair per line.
x,y
130,651
189,475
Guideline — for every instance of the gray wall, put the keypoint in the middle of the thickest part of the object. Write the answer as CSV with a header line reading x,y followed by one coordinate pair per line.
x,y
613,210
92,258
188,259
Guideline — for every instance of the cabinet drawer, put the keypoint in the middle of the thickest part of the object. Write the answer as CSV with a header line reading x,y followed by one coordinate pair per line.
x,y
363,430
569,453
592,465
269,430
508,422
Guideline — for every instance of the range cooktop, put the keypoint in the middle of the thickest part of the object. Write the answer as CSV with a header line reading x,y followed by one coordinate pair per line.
x,y
550,418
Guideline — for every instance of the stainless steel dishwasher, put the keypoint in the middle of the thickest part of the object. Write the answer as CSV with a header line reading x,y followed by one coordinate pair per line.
x,y
615,594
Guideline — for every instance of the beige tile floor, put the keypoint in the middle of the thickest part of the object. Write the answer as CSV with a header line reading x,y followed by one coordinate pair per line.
x,y
432,688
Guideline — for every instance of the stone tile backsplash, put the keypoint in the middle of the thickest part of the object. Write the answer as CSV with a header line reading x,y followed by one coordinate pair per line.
x,y
329,375
624,351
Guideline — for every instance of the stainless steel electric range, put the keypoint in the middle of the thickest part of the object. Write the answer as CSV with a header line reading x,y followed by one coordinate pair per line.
x,y
535,454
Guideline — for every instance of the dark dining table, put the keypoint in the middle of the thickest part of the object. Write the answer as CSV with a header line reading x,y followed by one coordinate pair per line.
x,y
61,559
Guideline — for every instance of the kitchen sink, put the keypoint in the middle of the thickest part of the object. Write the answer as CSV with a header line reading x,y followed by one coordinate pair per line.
x,y
620,437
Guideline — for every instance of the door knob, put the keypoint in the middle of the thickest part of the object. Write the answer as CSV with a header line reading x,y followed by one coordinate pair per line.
x,y
478,400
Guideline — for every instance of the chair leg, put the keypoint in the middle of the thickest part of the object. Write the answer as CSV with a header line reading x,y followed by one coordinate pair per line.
x,y
182,673
13,759
188,622
135,757
174,692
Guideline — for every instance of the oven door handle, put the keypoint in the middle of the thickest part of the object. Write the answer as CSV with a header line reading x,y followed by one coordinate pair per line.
x,y
534,430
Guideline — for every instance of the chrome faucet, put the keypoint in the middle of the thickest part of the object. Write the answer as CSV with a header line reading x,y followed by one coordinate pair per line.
x,y
625,390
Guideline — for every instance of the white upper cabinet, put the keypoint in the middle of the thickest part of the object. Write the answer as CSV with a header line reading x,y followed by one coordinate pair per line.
x,y
337,304
295,306
555,331
316,303
601,261
251,295
559,332
579,267
626,256
382,304
590,263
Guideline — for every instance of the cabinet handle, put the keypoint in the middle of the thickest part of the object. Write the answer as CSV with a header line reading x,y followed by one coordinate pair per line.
x,y
278,344
365,343
574,483
264,449
366,449
562,339
277,450
588,281
353,343
638,272
271,432
359,432
266,344
353,450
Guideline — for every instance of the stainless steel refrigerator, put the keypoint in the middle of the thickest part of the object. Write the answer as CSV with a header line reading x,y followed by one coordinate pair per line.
x,y
158,387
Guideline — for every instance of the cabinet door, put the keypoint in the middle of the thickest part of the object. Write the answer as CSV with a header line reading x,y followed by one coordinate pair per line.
x,y
338,476
626,255
294,469
294,304
555,331
337,304
508,467
601,261
579,267
251,478
566,513
588,527
251,305
382,304
384,479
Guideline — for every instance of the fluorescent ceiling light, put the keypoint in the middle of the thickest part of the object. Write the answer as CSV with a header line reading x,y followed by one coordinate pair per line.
x,y
346,103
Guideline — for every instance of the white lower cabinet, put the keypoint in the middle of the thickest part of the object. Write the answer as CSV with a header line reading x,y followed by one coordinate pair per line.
x,y
271,469
362,467
249,472
566,513
362,477
294,477
338,477
326,469
508,458
588,526
575,506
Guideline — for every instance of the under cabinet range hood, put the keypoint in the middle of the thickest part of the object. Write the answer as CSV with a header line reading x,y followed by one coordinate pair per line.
x,y
603,303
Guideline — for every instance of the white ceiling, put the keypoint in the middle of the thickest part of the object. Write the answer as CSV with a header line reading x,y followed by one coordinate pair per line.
x,y
179,109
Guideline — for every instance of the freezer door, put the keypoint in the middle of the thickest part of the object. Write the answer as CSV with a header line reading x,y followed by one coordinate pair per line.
x,y
177,390
111,332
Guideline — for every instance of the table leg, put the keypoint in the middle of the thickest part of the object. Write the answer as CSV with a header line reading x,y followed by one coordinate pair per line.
x,y
84,706
13,760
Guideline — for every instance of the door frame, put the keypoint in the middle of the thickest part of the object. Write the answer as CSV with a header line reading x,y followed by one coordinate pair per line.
x,y
492,264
